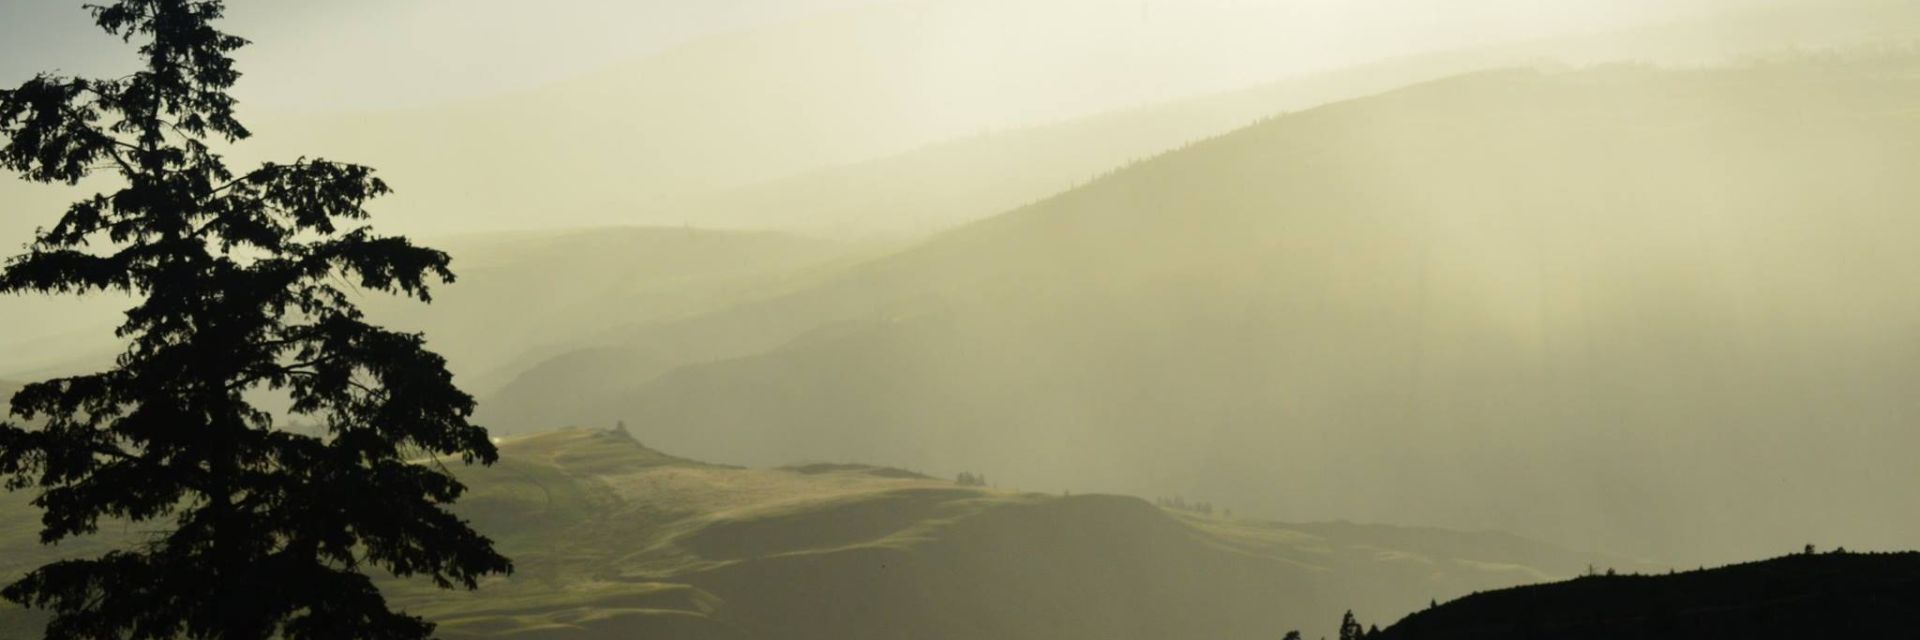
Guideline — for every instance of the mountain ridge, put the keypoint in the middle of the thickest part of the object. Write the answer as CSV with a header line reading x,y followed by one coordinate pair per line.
x,y
1368,272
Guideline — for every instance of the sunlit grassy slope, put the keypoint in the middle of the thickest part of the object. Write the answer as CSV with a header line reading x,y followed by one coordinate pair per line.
x,y
1825,595
615,540
1623,307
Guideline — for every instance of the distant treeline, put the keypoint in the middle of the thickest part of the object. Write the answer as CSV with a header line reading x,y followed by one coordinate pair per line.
x,y
1202,507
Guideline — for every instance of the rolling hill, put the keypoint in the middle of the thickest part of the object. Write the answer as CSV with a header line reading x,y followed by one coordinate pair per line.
x,y
1667,295
612,539
1829,595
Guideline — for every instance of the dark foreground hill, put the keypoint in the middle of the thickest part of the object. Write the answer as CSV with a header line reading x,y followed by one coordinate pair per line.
x,y
1833,595
611,539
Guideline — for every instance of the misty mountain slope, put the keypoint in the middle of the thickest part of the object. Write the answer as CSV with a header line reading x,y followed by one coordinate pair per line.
x,y
612,539
1478,303
951,183
1803,596
946,184
520,296
755,105
735,109
907,117
572,153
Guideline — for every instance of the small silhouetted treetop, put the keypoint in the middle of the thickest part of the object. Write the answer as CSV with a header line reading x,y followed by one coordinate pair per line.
x,y
1350,628
238,286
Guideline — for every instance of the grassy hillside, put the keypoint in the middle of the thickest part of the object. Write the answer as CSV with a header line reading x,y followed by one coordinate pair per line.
x,y
613,539
1664,295
1831,595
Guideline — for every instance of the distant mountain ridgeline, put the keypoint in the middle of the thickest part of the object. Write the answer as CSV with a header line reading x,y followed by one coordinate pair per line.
x,y
520,297
1824,595
1655,294
523,297
638,140
950,183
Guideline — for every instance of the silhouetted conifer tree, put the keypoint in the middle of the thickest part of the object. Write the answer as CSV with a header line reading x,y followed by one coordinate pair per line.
x,y
267,532
1350,628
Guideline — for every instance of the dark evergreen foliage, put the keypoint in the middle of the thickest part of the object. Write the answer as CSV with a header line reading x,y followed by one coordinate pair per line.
x,y
1350,628
239,286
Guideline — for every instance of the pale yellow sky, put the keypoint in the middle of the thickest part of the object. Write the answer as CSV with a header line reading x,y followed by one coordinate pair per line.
x,y
500,114
359,54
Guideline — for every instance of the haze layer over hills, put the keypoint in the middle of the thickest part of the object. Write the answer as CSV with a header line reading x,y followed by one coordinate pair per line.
x,y
1634,308
628,144
1657,312
663,138
738,129
939,186
457,171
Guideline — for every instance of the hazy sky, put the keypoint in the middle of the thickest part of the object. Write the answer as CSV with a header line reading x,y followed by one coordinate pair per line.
x,y
377,53
383,53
